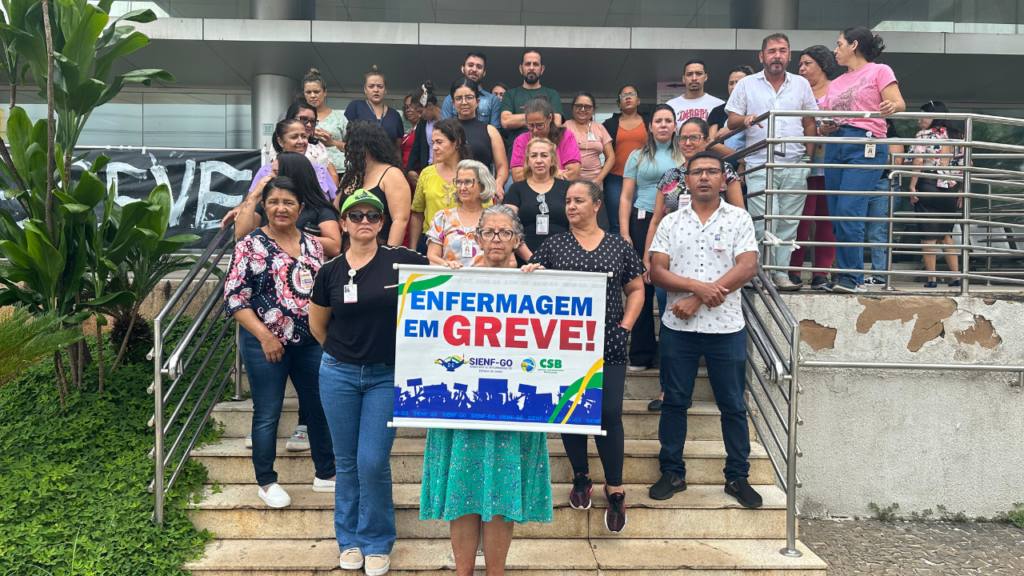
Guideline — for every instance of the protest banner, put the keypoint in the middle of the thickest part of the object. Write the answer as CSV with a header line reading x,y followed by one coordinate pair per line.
x,y
497,349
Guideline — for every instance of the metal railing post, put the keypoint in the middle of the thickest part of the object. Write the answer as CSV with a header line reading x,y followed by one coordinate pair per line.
x,y
965,229
769,183
158,422
889,238
238,362
791,451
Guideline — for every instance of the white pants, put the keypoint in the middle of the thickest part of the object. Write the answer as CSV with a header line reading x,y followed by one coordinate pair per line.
x,y
782,204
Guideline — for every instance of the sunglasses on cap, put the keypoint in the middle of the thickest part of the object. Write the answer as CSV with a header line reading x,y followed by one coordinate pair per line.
x,y
372,216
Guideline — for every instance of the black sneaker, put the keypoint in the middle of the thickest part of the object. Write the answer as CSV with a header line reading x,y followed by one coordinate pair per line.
x,y
740,490
874,282
819,283
795,279
654,405
582,488
615,515
668,485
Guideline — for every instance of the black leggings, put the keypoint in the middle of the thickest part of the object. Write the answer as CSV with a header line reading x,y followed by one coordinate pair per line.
x,y
643,346
611,447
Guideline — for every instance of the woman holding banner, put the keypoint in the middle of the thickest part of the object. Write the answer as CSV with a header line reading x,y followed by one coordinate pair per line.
x,y
352,312
588,248
498,476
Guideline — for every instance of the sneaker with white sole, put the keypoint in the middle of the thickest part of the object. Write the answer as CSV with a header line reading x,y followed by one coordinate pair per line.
x,y
322,485
785,284
299,440
632,368
274,496
351,559
248,441
377,564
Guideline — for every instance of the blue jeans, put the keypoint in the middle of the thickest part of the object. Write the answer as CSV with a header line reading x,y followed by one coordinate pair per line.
x,y
612,195
359,402
726,357
878,232
267,383
864,180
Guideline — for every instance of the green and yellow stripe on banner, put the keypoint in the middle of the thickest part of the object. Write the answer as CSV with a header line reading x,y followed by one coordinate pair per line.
x,y
594,379
413,284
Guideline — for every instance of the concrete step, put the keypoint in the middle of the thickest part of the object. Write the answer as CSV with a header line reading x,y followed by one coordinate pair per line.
x,y
703,421
230,462
571,556
639,386
702,511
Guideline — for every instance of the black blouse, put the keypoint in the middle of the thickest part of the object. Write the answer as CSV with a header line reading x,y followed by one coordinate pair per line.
x,y
524,199
613,254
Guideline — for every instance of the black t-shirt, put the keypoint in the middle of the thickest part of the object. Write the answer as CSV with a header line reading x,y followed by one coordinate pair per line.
x,y
363,332
524,199
309,219
613,254
719,116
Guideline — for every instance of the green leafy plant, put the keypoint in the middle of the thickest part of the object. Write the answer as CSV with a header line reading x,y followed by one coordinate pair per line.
x,y
1015,516
25,339
947,516
887,514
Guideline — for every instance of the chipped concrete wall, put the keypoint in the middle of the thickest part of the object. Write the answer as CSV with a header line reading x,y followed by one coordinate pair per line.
x,y
916,438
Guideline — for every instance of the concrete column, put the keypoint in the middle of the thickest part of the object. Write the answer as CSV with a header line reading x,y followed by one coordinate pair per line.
x,y
774,14
271,96
275,9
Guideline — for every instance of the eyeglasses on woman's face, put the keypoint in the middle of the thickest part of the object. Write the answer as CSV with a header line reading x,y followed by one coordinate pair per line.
x,y
464,98
542,126
489,234
583,107
625,95
306,121
372,216
466,183
694,138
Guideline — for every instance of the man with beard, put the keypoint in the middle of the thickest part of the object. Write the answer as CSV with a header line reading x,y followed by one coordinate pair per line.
x,y
488,108
513,119
775,89
695,103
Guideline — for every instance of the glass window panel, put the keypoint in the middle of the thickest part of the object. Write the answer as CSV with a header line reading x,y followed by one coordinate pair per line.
x,y
185,120
239,121
116,123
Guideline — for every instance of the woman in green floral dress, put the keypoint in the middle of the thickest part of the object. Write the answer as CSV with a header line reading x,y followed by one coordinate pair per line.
x,y
499,477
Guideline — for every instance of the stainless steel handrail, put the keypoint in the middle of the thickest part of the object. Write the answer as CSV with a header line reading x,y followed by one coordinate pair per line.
x,y
193,340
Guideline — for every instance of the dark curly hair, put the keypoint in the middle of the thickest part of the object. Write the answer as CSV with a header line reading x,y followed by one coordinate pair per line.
x,y
362,138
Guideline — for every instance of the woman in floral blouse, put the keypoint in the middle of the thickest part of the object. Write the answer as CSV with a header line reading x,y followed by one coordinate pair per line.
x,y
267,292
452,233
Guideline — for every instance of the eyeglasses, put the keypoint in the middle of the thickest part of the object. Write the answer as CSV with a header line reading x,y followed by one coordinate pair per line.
x,y
372,216
711,172
625,95
488,234
467,183
543,204
584,107
538,126
464,98
691,138
307,121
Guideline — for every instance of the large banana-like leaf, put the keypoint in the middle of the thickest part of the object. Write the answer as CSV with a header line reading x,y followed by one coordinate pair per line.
x,y
123,47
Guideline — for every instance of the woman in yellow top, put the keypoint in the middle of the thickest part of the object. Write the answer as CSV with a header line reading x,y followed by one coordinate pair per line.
x,y
435,189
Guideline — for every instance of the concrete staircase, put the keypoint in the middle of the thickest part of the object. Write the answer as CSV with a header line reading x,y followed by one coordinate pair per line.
x,y
701,531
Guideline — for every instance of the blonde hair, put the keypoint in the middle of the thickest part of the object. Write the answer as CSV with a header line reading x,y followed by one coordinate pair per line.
x,y
528,172
374,71
314,76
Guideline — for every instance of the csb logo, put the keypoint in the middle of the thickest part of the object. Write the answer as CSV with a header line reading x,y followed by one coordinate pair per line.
x,y
550,364
528,365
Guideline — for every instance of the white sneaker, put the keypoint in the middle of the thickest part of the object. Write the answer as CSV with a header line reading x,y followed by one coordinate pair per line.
x,y
248,441
275,496
322,485
351,559
377,564
785,284
636,368
299,440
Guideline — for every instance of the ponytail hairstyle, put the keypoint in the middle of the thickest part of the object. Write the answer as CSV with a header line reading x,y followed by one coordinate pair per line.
x,y
650,147
593,101
542,105
452,130
374,71
300,171
938,107
314,76
467,83
293,112
279,130
701,124
869,45
424,94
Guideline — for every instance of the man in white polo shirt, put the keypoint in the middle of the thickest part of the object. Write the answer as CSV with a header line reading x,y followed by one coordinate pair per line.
x,y
702,255
775,89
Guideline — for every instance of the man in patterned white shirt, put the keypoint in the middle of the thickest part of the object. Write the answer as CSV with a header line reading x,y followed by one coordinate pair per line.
x,y
702,255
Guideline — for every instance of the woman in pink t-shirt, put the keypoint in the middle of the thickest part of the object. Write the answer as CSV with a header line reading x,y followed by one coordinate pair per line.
x,y
865,87
540,123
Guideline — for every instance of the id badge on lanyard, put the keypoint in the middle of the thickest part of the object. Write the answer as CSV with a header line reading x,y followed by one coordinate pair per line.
x,y
351,290
542,224
305,279
467,248
719,245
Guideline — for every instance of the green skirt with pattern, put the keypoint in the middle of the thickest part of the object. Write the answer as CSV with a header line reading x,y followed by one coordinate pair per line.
x,y
487,473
